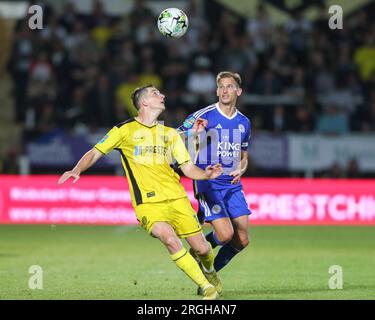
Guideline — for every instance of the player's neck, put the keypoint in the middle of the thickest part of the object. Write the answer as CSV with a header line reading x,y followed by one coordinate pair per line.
x,y
148,119
227,109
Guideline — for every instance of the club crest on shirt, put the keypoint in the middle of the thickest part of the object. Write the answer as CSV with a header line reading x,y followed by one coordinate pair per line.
x,y
241,128
188,123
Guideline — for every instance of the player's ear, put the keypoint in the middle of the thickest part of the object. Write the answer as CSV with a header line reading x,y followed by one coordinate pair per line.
x,y
217,92
239,92
141,103
144,101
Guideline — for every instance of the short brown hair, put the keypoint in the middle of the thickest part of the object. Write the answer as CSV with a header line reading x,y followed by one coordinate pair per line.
x,y
229,74
137,94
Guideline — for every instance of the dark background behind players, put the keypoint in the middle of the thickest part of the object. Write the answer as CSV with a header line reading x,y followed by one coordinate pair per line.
x,y
76,75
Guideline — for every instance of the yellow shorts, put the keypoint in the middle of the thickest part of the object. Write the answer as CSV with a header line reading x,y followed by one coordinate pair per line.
x,y
178,213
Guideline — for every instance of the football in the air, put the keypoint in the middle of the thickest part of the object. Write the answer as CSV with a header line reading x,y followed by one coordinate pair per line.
x,y
173,22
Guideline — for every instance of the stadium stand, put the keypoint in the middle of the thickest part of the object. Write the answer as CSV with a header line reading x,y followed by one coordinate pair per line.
x,y
300,77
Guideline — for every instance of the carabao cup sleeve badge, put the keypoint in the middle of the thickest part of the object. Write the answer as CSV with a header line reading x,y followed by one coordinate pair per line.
x,y
103,139
188,123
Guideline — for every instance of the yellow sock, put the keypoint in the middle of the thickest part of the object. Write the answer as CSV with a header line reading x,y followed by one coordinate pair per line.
x,y
208,260
187,263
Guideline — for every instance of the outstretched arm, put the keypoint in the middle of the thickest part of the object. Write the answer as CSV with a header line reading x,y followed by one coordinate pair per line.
x,y
88,159
193,172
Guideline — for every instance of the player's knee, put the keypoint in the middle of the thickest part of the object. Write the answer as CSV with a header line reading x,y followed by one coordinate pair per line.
x,y
203,250
225,237
243,243
172,242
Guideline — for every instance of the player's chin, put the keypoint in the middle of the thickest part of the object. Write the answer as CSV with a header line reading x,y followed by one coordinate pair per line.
x,y
226,100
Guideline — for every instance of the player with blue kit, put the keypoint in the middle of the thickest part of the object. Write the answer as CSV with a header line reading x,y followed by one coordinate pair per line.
x,y
223,134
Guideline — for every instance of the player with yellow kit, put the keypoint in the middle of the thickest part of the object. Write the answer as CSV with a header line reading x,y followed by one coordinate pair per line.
x,y
147,150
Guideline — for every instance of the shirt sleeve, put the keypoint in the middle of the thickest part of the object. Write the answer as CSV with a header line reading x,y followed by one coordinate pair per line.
x,y
179,150
246,137
110,141
190,120
187,124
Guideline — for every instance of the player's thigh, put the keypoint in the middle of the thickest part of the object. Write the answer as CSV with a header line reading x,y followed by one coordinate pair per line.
x,y
241,231
184,218
199,244
223,229
167,235
149,213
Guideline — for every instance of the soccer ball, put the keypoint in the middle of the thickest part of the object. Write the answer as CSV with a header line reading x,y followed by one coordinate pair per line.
x,y
173,22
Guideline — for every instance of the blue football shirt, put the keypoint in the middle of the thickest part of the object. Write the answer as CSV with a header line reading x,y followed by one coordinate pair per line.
x,y
221,142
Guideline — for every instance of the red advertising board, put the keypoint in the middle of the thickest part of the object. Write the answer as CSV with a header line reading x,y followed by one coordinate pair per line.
x,y
106,200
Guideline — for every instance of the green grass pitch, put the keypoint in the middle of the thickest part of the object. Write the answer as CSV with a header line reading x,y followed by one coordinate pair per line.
x,y
84,262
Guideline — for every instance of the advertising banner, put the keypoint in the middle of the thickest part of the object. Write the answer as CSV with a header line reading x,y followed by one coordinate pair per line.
x,y
315,152
60,149
311,201
106,200
269,151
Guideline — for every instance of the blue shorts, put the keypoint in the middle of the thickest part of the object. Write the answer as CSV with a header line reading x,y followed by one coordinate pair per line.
x,y
226,203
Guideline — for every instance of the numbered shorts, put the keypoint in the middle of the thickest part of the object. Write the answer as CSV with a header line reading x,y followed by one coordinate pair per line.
x,y
178,213
226,203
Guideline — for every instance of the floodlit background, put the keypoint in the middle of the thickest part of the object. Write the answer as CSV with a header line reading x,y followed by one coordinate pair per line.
x,y
308,90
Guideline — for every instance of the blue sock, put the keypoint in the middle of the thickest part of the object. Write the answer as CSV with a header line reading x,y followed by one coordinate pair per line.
x,y
225,254
212,238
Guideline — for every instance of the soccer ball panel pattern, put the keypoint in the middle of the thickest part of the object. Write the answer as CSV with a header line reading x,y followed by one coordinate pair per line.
x,y
173,23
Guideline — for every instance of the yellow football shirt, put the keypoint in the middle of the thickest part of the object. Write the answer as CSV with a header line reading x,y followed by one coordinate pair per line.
x,y
147,154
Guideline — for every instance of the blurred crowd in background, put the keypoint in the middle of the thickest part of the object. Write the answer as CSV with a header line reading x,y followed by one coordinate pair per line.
x,y
79,71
